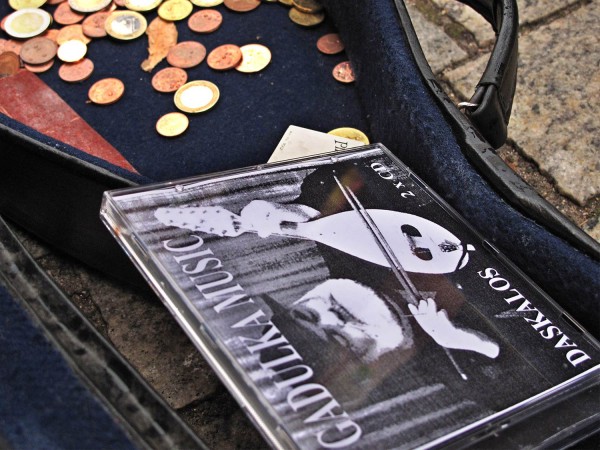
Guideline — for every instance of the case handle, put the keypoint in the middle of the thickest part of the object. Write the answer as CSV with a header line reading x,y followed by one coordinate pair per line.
x,y
490,106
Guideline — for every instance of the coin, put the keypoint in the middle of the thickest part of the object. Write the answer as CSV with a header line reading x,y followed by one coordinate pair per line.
x,y
308,6
142,5
2,27
64,15
205,21
306,19
2,44
9,64
70,33
54,2
224,57
196,96
255,57
26,23
106,91
88,6
169,79
242,5
38,50
125,25
186,54
39,68
94,25
350,133
50,34
71,51
172,124
23,4
174,10
13,46
207,3
77,71
330,44
343,72
286,2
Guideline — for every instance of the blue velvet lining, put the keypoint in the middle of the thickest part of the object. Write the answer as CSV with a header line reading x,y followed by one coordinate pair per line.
x,y
43,404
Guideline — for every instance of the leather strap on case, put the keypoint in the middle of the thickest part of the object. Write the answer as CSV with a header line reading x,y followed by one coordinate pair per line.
x,y
490,106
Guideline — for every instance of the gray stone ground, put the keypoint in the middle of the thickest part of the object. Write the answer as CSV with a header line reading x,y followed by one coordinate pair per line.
x,y
553,143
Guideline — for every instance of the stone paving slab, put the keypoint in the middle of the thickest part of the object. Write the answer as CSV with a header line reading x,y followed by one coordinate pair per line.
x,y
474,23
440,50
555,120
534,10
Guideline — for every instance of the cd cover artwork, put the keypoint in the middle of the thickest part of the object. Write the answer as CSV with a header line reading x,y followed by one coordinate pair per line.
x,y
345,305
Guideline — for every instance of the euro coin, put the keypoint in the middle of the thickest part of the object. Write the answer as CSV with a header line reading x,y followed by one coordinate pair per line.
x,y
186,54
174,10
207,3
26,23
224,57
343,72
125,25
242,5
196,96
71,51
88,6
330,44
77,71
9,64
142,5
64,15
350,133
205,21
255,57
72,32
106,91
93,25
169,79
172,124
306,19
38,50
25,4
50,34
308,6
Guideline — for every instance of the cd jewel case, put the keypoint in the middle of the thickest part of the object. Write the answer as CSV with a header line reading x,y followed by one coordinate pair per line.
x,y
345,305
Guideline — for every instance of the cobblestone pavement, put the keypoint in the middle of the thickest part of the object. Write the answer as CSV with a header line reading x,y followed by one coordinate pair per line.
x,y
554,142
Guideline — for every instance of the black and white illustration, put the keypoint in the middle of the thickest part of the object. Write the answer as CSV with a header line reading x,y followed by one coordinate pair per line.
x,y
364,313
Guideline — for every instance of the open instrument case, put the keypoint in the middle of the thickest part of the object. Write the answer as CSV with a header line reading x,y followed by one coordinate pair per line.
x,y
54,189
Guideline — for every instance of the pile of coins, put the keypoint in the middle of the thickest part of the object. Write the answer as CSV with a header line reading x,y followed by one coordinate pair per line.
x,y
36,46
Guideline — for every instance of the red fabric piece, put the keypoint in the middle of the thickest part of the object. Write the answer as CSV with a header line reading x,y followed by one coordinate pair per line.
x,y
26,98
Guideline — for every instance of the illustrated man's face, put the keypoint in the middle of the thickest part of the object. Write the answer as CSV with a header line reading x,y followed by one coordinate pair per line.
x,y
351,314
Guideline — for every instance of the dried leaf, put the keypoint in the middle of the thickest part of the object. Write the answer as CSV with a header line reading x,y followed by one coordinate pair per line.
x,y
162,35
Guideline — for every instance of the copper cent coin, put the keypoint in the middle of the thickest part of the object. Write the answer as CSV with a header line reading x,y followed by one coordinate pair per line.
x,y
51,34
77,71
255,57
172,124
106,91
38,50
39,68
169,79
9,64
13,46
66,16
186,54
70,33
224,57
93,25
343,72
242,5
205,21
330,44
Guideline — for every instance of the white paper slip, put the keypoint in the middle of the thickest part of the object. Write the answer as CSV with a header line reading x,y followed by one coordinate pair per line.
x,y
298,142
